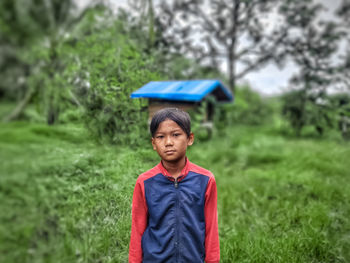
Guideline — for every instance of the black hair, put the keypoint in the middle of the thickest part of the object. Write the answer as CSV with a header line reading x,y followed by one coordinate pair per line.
x,y
181,117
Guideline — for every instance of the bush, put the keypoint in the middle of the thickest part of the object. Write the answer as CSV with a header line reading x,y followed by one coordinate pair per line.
x,y
248,108
302,109
341,102
105,69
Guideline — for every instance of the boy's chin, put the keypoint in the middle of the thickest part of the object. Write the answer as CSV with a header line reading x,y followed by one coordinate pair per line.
x,y
172,159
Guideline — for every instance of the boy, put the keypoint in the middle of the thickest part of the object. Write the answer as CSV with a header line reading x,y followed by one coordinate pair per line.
x,y
174,211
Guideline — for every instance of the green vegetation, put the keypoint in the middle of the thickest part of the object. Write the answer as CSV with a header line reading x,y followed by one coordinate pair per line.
x,y
67,199
73,142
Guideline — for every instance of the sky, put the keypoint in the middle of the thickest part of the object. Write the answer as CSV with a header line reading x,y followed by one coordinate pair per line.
x,y
270,80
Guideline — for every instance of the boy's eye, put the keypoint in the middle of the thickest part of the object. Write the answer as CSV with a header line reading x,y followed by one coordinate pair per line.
x,y
177,134
159,136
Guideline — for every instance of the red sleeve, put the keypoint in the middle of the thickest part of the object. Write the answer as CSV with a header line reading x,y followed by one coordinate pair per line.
x,y
212,245
138,222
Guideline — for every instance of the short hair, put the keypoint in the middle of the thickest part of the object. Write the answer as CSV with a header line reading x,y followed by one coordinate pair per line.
x,y
181,117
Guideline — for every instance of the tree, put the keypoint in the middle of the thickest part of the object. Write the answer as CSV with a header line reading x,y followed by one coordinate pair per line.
x,y
344,69
16,32
106,66
312,46
38,29
223,30
149,38
342,101
145,12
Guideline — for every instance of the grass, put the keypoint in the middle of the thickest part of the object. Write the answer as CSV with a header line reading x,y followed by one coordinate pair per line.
x,y
66,199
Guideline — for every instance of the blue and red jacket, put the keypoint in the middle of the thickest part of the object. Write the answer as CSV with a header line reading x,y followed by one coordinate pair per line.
x,y
175,220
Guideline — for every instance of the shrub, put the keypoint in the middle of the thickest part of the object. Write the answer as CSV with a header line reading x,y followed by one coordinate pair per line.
x,y
105,69
248,108
341,102
302,108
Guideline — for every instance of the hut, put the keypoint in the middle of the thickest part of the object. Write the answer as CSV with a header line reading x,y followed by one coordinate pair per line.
x,y
183,94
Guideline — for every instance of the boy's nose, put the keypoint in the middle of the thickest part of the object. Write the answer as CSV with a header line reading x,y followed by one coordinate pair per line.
x,y
168,141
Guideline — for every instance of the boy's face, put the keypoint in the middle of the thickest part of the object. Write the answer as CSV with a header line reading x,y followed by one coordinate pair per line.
x,y
171,142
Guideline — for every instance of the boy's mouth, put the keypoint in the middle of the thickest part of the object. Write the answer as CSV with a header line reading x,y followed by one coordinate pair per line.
x,y
170,151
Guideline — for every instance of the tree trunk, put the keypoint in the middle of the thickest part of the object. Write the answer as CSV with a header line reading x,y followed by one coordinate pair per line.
x,y
20,106
231,71
150,24
232,47
52,115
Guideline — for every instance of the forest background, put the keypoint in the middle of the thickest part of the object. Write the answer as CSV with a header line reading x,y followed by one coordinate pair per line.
x,y
72,142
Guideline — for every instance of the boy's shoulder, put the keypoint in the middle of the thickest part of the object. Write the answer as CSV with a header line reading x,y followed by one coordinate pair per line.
x,y
200,170
191,168
148,174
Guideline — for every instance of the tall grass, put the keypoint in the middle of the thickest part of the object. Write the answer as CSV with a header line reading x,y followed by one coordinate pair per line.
x,y
66,199
280,200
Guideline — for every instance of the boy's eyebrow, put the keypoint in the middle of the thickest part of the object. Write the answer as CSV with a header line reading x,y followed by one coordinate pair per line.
x,y
175,130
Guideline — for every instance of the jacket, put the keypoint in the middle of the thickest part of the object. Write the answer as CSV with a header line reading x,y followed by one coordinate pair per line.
x,y
175,220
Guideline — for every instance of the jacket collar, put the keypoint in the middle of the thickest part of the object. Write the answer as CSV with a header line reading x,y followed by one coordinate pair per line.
x,y
183,174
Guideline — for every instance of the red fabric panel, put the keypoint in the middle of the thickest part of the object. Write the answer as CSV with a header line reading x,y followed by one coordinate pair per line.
x,y
212,244
139,216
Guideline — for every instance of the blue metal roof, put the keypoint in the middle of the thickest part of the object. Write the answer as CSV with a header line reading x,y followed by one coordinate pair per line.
x,y
183,90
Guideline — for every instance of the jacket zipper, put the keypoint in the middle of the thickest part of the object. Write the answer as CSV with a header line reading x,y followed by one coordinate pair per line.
x,y
177,243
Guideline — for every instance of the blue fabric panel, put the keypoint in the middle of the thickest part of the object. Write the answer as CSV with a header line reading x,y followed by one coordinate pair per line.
x,y
176,223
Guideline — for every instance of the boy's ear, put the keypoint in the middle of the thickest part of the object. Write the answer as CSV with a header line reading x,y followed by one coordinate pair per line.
x,y
153,145
190,139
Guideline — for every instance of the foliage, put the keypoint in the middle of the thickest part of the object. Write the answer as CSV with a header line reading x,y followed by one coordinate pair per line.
x,y
341,102
173,65
33,34
331,112
145,12
229,31
301,109
17,30
66,199
92,68
343,72
203,118
248,108
78,65
89,71
313,50
105,68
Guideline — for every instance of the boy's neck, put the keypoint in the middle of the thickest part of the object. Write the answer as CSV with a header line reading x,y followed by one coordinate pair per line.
x,y
174,168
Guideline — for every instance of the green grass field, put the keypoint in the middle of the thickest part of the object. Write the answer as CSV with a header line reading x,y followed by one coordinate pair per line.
x,y
66,199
